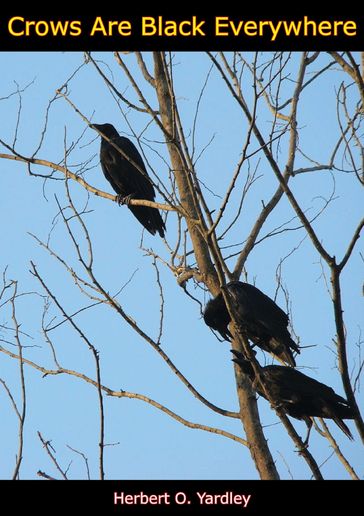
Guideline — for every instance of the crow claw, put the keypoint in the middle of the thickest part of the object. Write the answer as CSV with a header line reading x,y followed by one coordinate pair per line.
x,y
124,199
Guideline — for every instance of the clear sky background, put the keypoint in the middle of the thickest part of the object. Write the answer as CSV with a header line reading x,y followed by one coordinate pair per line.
x,y
144,442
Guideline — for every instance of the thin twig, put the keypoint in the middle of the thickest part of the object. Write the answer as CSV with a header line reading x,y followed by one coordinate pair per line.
x,y
42,474
97,364
50,451
84,458
338,452
22,412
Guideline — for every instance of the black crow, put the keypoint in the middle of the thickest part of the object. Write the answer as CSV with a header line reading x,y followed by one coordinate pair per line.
x,y
299,395
262,321
128,176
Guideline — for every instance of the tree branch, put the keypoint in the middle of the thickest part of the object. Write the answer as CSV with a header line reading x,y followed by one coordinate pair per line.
x,y
123,394
70,175
341,347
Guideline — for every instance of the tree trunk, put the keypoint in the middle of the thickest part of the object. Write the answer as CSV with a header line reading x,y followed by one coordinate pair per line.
x,y
248,405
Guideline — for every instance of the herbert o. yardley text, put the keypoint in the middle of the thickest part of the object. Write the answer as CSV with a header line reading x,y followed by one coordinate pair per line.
x,y
182,498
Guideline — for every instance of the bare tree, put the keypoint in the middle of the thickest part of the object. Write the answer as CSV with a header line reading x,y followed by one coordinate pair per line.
x,y
214,226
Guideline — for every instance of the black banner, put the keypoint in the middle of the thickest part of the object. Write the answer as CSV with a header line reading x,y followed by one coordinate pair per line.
x,y
146,31
126,497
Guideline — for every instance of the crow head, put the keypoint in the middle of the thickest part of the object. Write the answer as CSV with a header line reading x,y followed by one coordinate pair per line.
x,y
107,130
217,317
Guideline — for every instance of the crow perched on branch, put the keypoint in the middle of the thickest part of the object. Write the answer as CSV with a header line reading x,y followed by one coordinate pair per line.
x,y
299,395
261,320
128,176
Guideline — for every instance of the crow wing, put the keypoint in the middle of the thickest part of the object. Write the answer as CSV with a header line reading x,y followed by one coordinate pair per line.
x,y
309,396
255,306
125,174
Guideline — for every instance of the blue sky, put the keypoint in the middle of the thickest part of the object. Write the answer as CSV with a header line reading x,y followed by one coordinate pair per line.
x,y
144,442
